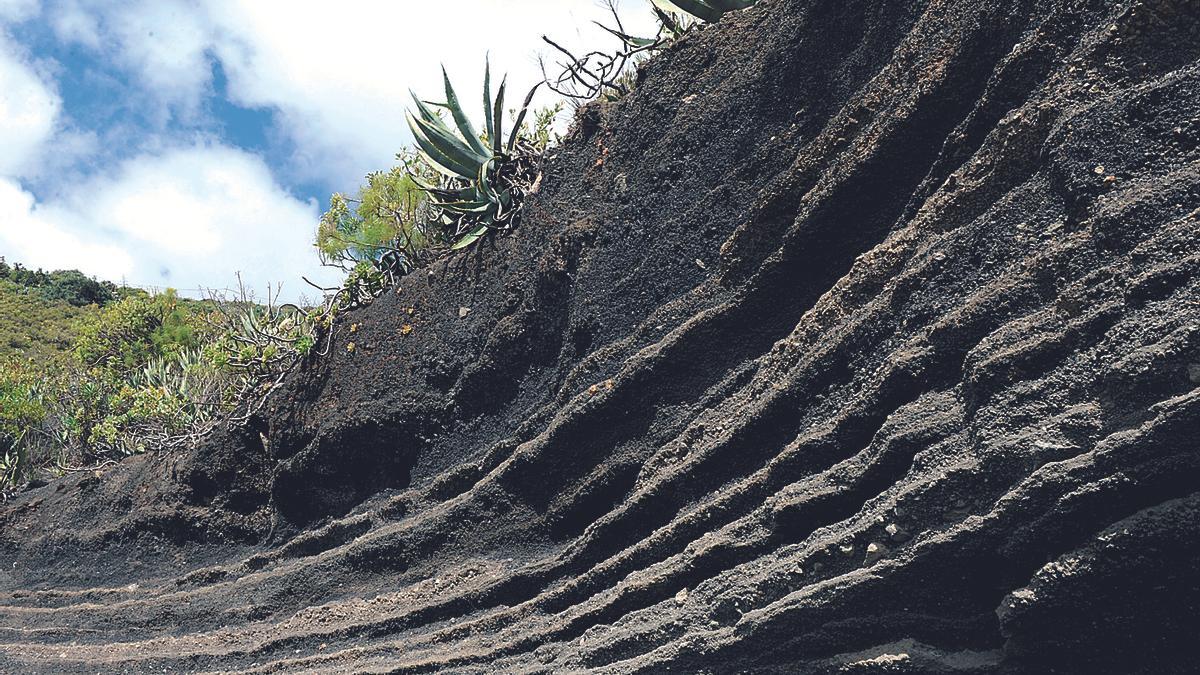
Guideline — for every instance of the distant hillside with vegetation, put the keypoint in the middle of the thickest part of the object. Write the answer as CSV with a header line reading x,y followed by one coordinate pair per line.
x,y
92,371
40,311
34,326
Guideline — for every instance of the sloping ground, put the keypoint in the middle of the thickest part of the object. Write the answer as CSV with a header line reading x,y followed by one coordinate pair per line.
x,y
864,337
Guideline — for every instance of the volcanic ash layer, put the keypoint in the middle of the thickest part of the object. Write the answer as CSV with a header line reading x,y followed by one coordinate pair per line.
x,y
862,337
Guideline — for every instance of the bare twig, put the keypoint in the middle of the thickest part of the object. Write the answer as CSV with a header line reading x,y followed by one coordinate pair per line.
x,y
597,73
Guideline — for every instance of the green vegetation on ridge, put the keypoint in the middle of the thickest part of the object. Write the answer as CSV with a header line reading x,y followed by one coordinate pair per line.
x,y
33,326
80,385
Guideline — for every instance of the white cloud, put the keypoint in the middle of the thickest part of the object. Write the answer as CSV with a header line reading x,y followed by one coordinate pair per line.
x,y
73,23
191,218
165,42
29,110
342,78
26,236
339,74
18,10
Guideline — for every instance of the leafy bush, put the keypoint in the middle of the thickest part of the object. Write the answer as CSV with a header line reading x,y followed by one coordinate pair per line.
x,y
78,290
388,224
22,407
119,337
132,379
127,334
169,399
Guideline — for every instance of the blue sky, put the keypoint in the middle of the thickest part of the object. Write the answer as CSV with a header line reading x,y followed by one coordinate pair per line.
x,y
172,143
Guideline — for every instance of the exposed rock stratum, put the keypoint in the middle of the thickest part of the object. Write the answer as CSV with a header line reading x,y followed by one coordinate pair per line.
x,y
863,337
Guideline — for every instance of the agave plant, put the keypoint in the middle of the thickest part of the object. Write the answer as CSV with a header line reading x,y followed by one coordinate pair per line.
x,y
188,375
12,463
706,10
484,177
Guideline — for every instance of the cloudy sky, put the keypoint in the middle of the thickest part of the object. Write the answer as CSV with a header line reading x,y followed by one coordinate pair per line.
x,y
172,143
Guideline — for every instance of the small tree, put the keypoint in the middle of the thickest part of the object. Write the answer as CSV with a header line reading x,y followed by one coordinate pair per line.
x,y
386,225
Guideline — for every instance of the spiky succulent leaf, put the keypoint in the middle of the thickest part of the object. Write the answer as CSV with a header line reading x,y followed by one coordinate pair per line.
x,y
629,40
448,152
424,110
467,207
450,144
516,130
460,118
451,155
470,238
707,10
471,210
497,134
432,154
697,8
433,163
489,124
668,21
422,184
483,181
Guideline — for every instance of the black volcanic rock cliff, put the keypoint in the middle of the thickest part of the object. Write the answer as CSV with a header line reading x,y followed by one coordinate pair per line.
x,y
863,337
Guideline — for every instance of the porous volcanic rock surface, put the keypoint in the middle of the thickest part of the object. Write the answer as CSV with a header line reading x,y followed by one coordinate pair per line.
x,y
863,337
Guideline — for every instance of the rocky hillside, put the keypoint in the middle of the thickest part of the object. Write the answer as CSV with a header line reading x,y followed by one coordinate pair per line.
x,y
863,337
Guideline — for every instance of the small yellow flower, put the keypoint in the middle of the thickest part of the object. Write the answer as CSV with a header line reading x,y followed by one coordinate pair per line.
x,y
406,329
350,347
353,328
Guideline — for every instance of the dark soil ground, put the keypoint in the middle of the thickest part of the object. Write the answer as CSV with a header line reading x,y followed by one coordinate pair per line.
x,y
864,337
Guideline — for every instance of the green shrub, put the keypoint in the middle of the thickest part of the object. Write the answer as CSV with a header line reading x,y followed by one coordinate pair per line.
x,y
78,290
127,334
155,372
120,336
91,383
145,372
137,419
387,224
23,406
